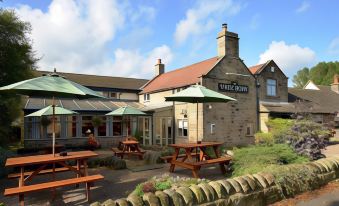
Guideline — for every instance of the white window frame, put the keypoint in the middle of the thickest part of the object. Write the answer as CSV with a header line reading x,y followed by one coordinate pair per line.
x,y
272,69
271,87
147,97
182,127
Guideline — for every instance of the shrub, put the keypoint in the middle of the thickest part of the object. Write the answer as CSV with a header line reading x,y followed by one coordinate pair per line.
x,y
112,162
253,159
165,182
307,138
4,154
294,179
278,127
264,138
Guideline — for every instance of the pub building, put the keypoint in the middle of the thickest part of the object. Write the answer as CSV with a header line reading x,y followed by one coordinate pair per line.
x,y
261,92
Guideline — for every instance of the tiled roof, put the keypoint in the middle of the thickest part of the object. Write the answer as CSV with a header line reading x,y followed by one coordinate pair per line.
x,y
101,81
180,77
255,69
324,99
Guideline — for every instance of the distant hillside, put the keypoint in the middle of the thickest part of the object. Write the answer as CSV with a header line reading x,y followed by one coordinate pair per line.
x,y
321,74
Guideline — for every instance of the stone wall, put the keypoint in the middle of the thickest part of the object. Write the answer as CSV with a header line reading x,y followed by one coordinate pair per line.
x,y
282,84
258,189
234,122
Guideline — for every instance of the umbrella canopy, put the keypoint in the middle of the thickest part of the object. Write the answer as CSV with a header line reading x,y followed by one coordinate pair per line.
x,y
126,110
51,85
48,111
199,94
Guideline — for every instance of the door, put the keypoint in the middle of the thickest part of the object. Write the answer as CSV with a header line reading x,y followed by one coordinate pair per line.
x,y
146,129
164,131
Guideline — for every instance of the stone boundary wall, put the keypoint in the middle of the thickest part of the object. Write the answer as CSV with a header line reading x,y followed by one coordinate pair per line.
x,y
248,190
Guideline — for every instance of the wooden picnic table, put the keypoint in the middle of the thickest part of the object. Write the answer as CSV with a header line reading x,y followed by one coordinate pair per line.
x,y
130,147
194,164
42,162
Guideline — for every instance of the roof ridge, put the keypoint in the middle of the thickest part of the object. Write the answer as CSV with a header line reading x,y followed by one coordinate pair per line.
x,y
92,75
181,68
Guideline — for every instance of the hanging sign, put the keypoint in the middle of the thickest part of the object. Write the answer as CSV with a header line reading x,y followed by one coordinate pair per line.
x,y
233,87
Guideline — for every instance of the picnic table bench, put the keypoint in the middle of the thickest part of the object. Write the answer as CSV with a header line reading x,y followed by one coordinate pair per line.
x,y
202,159
129,147
45,160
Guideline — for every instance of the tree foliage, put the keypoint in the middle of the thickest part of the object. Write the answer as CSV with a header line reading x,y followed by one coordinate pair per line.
x,y
321,74
301,78
16,63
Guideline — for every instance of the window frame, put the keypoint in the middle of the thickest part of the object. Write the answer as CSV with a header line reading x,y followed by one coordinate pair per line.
x,y
269,91
181,134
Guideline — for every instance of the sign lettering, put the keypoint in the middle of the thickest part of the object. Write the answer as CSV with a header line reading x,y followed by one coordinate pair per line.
x,y
233,87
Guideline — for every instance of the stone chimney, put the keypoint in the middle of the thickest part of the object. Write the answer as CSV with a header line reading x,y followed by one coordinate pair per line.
x,y
159,68
228,43
335,84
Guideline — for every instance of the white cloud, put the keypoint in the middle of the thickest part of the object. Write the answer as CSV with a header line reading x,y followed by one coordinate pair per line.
x,y
334,46
201,18
73,36
303,7
289,58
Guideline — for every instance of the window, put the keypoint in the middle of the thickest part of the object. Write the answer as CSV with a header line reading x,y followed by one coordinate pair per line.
x,y
72,126
272,69
117,126
249,129
271,87
182,127
146,97
114,95
87,126
212,128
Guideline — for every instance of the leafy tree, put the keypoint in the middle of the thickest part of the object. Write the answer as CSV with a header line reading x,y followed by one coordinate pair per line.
x,y
321,74
16,63
301,78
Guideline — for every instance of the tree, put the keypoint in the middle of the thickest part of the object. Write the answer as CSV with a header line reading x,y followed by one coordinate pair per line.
x,y
321,74
17,61
301,78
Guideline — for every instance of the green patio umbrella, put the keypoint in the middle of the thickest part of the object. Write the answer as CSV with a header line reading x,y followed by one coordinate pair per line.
x,y
126,111
48,111
198,94
51,85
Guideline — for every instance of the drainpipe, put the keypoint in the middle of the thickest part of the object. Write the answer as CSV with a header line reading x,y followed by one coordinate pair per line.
x,y
257,86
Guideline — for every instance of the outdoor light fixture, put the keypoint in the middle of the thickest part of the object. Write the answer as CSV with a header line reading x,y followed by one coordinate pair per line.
x,y
209,106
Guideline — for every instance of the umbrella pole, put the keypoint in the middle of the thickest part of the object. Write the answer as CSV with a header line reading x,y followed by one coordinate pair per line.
x,y
197,122
53,122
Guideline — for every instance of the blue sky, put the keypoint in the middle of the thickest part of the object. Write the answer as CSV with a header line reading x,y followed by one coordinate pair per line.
x,y
124,38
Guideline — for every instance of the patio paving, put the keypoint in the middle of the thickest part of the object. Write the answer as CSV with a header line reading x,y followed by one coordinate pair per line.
x,y
117,184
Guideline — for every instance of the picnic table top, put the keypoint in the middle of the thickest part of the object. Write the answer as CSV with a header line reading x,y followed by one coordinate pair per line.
x,y
48,158
130,142
194,145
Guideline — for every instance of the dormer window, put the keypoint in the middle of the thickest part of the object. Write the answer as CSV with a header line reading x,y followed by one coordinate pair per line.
x,y
272,69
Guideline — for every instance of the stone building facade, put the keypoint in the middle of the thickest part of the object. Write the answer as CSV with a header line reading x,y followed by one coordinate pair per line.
x,y
234,122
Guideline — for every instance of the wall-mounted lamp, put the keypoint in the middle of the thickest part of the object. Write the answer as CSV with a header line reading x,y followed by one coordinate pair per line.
x,y
209,106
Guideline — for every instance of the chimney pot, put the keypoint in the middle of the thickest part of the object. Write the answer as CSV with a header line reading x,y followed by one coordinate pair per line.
x,y
224,25
159,61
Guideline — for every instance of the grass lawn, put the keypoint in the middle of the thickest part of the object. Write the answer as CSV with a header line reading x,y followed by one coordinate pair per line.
x,y
253,159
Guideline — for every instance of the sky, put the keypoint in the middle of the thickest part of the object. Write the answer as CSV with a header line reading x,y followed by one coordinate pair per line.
x,y
126,37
